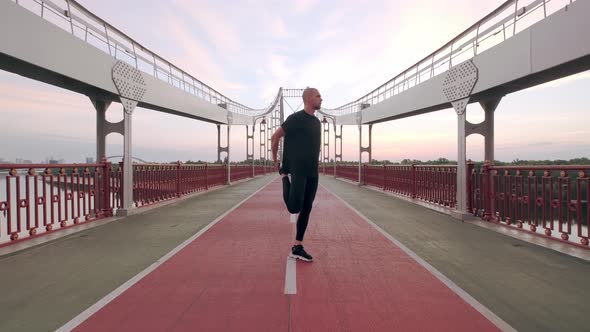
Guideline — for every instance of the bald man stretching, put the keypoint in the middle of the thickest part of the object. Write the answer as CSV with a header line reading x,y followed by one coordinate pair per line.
x,y
302,131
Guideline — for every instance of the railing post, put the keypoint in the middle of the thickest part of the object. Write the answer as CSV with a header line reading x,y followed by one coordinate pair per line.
x,y
413,181
107,208
515,16
470,166
178,178
487,192
383,184
121,185
70,16
206,176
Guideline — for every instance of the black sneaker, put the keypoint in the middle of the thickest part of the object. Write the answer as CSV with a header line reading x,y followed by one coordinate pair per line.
x,y
298,252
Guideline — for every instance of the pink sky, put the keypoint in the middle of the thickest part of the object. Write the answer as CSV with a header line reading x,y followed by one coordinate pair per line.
x,y
343,48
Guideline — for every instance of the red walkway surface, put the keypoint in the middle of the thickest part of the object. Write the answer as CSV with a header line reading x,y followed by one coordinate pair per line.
x,y
232,278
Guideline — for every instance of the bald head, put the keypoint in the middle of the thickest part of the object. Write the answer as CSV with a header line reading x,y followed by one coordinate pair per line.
x,y
308,92
312,100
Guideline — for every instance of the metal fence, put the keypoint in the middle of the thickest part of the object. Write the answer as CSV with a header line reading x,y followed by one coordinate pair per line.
x,y
37,199
550,201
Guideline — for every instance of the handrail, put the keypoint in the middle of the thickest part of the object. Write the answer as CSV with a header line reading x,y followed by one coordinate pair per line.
x,y
115,41
444,55
440,59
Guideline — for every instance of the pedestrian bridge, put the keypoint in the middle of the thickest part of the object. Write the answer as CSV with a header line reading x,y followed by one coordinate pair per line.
x,y
218,261
132,247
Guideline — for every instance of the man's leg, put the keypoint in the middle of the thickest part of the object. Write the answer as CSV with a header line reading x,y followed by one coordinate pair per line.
x,y
311,188
294,192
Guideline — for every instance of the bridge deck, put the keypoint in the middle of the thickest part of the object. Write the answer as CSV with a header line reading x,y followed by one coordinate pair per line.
x,y
232,277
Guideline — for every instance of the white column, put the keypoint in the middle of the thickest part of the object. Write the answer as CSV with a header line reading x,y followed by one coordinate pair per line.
x,y
228,159
461,167
360,153
489,107
457,87
127,164
102,129
131,86
219,149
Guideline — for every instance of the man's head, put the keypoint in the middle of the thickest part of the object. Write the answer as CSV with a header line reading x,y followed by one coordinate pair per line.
x,y
312,100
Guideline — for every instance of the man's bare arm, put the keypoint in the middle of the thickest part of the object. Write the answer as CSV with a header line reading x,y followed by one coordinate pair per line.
x,y
274,143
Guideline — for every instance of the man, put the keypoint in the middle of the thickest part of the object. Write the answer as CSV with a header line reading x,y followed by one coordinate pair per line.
x,y
301,149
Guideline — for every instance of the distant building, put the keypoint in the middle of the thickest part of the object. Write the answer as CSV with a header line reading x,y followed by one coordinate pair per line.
x,y
89,160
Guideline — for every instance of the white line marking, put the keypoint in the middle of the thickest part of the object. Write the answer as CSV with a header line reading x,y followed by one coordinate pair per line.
x,y
501,324
291,276
293,217
72,324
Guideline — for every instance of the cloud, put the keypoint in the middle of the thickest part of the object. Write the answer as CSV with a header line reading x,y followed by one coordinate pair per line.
x,y
277,27
279,67
276,73
563,81
215,22
18,94
197,60
303,6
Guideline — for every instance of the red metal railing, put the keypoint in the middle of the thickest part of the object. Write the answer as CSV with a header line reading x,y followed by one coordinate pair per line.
x,y
349,172
192,178
240,172
57,197
329,170
436,184
115,191
154,183
373,176
430,183
550,200
33,203
216,175
400,180
261,169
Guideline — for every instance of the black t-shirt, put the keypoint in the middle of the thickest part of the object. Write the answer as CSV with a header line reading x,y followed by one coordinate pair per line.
x,y
301,146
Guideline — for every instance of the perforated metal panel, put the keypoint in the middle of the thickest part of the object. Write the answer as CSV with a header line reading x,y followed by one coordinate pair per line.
x,y
130,84
128,104
460,81
460,105
459,84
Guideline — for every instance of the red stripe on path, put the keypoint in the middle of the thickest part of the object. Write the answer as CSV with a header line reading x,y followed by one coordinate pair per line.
x,y
232,278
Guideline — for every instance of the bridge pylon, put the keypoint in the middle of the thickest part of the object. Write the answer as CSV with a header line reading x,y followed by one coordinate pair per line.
x,y
225,148
362,148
